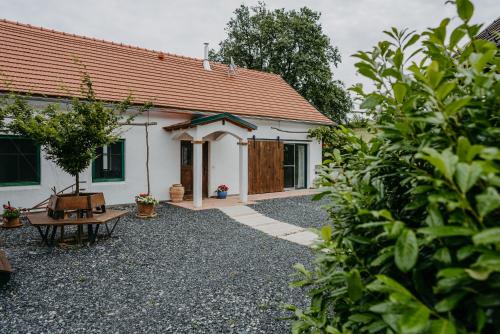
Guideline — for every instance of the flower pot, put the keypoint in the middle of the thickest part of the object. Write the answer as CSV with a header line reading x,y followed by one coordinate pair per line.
x,y
145,210
11,222
221,194
177,193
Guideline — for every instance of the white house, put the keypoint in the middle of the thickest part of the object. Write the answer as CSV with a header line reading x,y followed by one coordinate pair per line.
x,y
213,124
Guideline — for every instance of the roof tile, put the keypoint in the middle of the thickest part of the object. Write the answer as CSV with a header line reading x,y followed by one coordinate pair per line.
x,y
42,61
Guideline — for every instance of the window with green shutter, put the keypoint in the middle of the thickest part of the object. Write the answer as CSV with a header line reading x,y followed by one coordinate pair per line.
x,y
109,165
19,161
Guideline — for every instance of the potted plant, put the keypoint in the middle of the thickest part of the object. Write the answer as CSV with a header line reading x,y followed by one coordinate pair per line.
x,y
11,216
145,205
222,191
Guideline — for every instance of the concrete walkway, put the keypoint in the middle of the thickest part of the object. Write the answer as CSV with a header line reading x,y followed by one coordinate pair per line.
x,y
247,216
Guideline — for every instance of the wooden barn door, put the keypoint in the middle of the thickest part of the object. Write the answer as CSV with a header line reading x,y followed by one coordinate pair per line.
x,y
265,166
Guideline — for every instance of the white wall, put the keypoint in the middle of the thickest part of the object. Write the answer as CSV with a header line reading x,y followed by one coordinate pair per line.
x,y
224,153
164,163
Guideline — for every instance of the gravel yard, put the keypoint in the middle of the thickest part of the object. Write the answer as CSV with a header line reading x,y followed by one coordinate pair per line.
x,y
181,272
299,210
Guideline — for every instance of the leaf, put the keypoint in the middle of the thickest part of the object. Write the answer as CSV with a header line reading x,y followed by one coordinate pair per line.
x,y
412,41
480,60
354,285
446,231
399,91
416,321
487,201
479,273
326,232
444,162
443,255
456,36
467,175
442,326
370,102
465,9
488,236
444,89
456,105
447,304
463,146
406,251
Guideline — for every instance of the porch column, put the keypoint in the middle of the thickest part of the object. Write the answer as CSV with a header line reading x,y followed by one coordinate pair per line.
x,y
243,144
197,172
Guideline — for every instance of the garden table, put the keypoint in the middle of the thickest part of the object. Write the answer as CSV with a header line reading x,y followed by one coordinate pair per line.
x,y
47,226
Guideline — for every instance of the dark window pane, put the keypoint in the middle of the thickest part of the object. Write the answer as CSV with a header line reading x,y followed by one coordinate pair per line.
x,y
19,160
109,162
289,155
289,176
186,153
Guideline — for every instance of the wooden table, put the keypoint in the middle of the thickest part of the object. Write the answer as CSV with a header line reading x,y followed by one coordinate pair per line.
x,y
47,226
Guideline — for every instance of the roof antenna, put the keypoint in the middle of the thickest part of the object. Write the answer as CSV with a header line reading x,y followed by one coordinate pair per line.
x,y
231,70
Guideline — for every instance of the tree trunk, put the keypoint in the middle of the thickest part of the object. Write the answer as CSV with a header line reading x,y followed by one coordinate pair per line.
x,y
77,184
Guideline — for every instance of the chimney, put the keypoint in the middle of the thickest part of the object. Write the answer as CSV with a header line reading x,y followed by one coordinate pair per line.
x,y
206,64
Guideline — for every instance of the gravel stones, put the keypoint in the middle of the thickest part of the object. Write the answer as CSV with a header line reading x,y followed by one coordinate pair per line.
x,y
300,210
181,272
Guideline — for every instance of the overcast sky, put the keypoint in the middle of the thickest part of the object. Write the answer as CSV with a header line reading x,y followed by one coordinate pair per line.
x,y
181,26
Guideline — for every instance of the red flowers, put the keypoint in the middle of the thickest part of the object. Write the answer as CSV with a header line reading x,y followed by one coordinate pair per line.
x,y
222,187
10,212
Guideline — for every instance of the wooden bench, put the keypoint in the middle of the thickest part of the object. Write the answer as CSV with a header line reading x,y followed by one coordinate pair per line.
x,y
5,268
41,220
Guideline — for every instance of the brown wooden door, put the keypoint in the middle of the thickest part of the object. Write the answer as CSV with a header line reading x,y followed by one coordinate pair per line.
x,y
187,169
265,166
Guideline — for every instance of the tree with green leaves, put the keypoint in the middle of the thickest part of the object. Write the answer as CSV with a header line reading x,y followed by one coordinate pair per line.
x,y
415,242
70,137
291,44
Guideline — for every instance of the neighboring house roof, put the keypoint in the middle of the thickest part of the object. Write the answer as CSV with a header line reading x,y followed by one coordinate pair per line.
x,y
41,61
491,33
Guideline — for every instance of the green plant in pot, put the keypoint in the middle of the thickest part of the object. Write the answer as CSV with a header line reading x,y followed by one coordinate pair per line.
x,y
146,205
11,216
414,241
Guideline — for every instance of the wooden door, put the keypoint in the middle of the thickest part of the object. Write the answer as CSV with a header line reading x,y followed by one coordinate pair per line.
x,y
187,169
265,166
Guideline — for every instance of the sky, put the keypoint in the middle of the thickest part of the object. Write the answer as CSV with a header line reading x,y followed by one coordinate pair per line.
x,y
181,26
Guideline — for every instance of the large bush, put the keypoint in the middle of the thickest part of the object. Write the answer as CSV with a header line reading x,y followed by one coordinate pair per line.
x,y
415,241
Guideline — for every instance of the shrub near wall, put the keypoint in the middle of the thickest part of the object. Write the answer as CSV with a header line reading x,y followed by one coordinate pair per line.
x,y
415,243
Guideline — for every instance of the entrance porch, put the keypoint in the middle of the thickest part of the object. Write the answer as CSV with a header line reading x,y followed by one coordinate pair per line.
x,y
212,129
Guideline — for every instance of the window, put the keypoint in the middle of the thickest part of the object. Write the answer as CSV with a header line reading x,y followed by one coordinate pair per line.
x,y
109,165
19,161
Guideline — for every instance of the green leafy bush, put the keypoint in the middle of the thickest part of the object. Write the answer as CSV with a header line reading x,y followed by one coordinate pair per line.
x,y
415,242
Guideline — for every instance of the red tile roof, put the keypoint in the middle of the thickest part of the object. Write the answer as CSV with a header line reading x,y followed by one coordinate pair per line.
x,y
41,61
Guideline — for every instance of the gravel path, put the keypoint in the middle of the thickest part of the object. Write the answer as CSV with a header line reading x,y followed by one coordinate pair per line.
x,y
299,210
182,272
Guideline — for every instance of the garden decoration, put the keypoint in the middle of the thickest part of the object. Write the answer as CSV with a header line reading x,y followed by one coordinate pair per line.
x,y
177,193
146,205
222,191
11,216
414,244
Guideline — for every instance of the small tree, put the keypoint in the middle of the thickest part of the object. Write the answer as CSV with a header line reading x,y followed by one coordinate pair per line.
x,y
70,137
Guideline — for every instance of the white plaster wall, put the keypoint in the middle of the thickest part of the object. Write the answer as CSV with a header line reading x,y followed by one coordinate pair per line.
x,y
224,165
164,163
164,168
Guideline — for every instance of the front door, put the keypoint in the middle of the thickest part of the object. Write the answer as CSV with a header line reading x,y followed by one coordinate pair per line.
x,y
187,169
295,166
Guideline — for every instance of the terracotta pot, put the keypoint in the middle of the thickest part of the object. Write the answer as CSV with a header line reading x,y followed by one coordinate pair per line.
x,y
145,210
11,222
176,193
